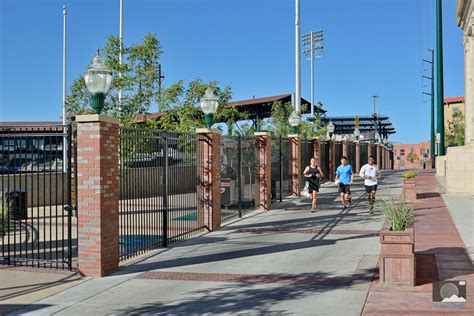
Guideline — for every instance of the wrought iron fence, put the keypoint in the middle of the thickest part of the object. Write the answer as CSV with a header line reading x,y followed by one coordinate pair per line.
x,y
364,153
36,223
158,189
231,177
280,153
324,159
338,153
307,152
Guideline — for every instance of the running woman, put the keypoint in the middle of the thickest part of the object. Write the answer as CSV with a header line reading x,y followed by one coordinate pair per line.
x,y
371,174
313,175
345,177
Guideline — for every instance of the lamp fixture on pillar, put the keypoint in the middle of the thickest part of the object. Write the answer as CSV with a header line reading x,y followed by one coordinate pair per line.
x,y
331,128
98,79
356,134
209,106
294,121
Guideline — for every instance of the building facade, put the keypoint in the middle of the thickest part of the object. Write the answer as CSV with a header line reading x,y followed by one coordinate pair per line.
x,y
411,156
452,106
456,165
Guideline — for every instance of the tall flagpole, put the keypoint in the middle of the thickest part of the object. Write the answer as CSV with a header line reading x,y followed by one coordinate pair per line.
x,y
65,147
121,52
297,58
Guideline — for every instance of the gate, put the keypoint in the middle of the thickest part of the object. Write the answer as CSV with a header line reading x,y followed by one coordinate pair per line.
x,y
158,189
36,224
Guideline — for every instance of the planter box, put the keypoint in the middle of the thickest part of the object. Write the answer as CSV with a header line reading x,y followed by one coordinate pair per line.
x,y
397,257
409,189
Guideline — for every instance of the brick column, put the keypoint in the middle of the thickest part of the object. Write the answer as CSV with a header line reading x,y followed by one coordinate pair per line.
x,y
332,160
98,194
345,149
379,156
295,161
208,166
263,171
316,150
357,157
370,147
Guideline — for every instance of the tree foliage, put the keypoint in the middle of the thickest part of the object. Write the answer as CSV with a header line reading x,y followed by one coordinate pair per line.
x,y
455,133
412,157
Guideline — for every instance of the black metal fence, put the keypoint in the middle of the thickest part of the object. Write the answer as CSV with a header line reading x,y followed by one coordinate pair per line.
x,y
338,153
364,153
324,159
158,189
307,152
231,177
280,153
36,223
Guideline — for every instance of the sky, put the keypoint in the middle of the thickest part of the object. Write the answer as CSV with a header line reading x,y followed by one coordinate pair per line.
x,y
371,47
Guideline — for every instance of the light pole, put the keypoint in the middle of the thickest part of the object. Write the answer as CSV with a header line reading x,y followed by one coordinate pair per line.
x,y
314,43
297,58
294,120
209,106
439,76
98,79
65,147
120,54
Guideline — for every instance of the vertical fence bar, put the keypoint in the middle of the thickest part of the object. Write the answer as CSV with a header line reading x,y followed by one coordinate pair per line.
x,y
165,189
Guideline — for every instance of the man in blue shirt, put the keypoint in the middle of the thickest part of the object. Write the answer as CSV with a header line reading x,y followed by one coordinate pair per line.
x,y
345,176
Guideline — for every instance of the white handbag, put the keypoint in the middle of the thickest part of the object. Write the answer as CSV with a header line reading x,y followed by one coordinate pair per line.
x,y
305,191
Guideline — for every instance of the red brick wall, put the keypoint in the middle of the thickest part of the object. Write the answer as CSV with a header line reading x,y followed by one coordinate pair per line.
x,y
401,161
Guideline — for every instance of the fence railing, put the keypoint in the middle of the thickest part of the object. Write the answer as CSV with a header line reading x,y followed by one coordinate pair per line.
x,y
36,223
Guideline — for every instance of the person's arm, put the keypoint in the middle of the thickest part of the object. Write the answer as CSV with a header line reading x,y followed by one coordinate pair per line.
x,y
321,174
337,174
352,176
306,172
362,172
378,173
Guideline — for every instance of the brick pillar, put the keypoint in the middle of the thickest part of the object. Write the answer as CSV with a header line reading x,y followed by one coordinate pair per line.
x,y
332,160
208,166
263,171
357,156
379,156
98,194
295,161
370,147
345,149
316,150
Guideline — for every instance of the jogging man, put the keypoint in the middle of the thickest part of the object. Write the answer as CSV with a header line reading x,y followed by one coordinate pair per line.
x,y
371,174
345,177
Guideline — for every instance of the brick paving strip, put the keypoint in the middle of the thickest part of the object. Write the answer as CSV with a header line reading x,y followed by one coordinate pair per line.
x,y
309,231
440,255
246,278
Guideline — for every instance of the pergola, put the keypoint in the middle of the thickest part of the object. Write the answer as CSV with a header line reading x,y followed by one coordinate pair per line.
x,y
344,125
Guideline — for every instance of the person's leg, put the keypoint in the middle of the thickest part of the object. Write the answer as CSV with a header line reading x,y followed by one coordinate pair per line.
x,y
343,199
315,199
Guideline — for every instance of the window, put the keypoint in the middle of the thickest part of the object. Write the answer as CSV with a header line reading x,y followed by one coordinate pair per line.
x,y
402,163
402,152
455,110
422,151
412,150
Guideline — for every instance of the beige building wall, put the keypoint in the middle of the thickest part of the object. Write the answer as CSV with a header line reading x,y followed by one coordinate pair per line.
x,y
451,106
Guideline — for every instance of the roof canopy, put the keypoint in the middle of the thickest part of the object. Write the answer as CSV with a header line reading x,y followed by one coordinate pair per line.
x,y
346,124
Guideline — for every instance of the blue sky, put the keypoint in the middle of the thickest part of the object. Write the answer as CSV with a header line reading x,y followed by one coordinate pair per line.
x,y
371,47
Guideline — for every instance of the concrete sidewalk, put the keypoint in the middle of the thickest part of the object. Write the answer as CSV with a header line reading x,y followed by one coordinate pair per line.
x,y
285,261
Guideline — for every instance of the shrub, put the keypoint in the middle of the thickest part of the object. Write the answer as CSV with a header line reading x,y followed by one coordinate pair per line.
x,y
399,214
409,174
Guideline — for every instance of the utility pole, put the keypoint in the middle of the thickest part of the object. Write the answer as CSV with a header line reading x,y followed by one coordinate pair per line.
x,y
120,53
314,43
65,146
439,76
297,59
432,94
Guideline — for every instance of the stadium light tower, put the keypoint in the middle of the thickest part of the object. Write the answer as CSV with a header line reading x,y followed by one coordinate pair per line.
x,y
313,42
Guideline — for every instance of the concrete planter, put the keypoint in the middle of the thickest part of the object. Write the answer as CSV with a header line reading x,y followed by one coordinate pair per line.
x,y
409,189
397,257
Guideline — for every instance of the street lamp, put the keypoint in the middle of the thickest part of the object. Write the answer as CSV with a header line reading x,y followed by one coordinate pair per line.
x,y
331,128
385,140
357,133
209,106
98,79
377,137
294,121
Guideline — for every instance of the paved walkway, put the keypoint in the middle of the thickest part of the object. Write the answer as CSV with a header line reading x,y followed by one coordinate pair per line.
x,y
285,261
440,255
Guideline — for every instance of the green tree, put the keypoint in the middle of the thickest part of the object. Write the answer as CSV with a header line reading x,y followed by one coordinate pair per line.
x,y
455,133
139,81
278,122
412,157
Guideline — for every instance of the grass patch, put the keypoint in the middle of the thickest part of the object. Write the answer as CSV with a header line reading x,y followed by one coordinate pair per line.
x,y
409,174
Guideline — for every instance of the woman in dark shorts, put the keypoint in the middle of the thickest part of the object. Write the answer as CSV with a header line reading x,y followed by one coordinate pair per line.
x,y
313,174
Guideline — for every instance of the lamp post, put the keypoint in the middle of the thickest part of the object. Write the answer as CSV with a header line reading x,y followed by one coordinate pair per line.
x,y
356,134
209,106
377,138
294,121
331,128
98,79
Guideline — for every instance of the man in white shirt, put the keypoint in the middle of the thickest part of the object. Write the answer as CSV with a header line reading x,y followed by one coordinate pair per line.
x,y
371,174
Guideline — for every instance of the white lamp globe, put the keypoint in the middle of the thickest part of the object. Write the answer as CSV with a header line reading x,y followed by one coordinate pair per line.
x,y
294,119
209,102
98,77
